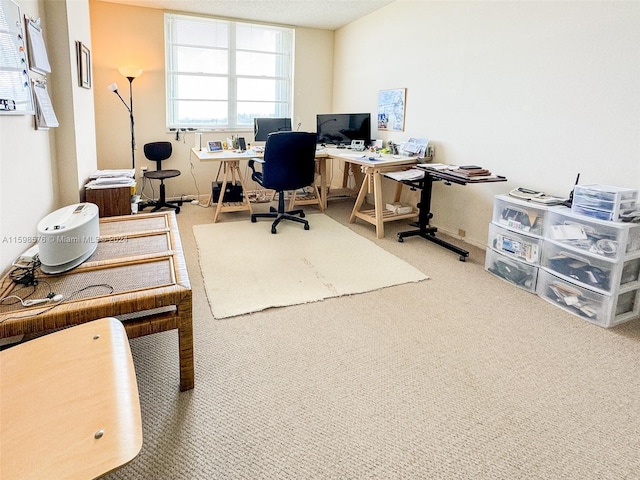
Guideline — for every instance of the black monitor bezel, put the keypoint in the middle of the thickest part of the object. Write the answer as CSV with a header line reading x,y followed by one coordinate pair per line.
x,y
269,125
323,118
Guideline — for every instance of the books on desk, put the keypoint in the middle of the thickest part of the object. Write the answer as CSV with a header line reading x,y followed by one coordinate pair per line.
x,y
471,171
465,173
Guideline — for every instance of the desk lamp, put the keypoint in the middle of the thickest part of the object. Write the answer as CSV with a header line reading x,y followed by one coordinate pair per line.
x,y
130,73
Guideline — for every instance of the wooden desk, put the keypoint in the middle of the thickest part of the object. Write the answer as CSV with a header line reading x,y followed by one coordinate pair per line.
x,y
231,165
372,183
69,403
137,273
372,170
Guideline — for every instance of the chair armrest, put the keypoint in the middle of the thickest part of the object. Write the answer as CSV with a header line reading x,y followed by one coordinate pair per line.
x,y
255,175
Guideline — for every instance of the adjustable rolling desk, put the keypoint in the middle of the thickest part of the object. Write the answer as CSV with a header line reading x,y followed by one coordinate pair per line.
x,y
425,185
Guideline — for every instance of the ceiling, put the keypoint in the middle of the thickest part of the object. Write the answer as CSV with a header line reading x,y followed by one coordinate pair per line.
x,y
324,14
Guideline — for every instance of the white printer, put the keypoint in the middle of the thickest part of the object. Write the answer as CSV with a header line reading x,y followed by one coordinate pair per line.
x,y
68,237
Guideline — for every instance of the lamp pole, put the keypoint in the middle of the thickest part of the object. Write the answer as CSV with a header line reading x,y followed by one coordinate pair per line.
x,y
130,73
133,136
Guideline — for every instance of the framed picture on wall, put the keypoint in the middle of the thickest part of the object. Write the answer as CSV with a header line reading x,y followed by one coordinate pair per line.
x,y
84,65
391,109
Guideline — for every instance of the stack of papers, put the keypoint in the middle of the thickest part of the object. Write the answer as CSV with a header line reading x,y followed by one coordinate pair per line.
x,y
112,179
436,166
125,172
406,175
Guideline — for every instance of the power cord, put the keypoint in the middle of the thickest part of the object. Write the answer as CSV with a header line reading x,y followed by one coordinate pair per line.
x,y
25,274
58,299
195,182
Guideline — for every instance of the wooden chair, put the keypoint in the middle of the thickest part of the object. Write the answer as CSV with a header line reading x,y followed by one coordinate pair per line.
x,y
69,403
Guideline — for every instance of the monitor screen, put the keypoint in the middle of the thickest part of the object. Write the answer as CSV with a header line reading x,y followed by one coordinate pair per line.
x,y
262,127
341,128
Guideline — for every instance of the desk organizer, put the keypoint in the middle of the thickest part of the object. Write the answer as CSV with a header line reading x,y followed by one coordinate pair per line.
x,y
602,201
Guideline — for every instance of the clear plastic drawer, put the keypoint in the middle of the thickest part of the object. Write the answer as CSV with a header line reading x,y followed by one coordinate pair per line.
x,y
519,215
518,273
613,240
601,309
517,245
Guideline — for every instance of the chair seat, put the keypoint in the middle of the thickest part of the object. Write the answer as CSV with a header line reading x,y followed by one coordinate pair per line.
x,y
161,174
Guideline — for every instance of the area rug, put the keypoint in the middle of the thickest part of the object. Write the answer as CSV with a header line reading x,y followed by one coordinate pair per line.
x,y
246,268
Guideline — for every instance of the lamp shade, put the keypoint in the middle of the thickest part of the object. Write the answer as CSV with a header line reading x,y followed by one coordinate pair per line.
x,y
130,72
113,87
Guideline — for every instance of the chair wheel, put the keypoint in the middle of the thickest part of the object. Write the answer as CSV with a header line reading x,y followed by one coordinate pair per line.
x,y
273,230
177,211
301,214
306,226
253,220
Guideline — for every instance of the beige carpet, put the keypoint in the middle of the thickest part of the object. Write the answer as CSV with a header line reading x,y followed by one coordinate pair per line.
x,y
462,377
246,268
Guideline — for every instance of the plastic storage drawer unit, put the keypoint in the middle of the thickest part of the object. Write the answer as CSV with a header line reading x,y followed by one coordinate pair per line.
x,y
518,273
602,309
602,201
517,245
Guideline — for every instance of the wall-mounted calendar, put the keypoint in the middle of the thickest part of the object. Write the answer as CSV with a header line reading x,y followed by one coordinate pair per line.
x,y
15,87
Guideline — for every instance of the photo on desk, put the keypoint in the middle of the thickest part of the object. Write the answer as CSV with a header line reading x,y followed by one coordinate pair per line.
x,y
214,146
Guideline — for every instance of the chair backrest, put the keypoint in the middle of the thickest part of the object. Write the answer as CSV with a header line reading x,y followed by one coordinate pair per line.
x,y
289,160
158,151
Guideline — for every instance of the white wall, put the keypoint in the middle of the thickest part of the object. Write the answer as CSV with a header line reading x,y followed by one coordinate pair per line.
x,y
535,91
32,161
119,40
27,187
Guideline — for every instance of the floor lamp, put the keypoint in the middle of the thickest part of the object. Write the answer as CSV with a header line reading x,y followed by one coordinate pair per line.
x,y
130,73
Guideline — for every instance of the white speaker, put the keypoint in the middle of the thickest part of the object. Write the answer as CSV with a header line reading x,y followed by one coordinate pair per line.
x,y
198,142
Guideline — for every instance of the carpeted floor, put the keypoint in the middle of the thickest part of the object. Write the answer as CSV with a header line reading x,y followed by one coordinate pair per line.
x,y
459,377
291,267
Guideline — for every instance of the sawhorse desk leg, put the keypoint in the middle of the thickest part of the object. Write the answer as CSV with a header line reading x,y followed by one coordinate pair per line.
x,y
231,174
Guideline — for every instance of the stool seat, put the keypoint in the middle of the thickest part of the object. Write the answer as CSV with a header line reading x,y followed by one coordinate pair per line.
x,y
161,174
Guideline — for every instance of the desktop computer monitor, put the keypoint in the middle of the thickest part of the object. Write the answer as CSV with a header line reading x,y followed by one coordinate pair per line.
x,y
262,127
342,128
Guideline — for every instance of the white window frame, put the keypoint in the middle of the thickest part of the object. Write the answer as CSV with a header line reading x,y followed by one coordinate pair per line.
x,y
284,76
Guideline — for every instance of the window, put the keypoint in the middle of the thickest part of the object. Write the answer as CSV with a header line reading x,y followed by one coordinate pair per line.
x,y
223,74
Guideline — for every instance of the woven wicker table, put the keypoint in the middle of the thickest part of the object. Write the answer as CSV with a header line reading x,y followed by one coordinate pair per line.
x,y
137,274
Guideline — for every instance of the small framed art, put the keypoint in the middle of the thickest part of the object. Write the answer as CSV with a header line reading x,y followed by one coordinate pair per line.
x,y
84,65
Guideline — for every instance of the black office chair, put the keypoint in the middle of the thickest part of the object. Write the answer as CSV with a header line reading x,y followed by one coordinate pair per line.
x,y
157,152
288,164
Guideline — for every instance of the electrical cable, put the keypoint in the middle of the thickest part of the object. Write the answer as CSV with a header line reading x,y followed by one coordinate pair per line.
x,y
57,302
195,181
